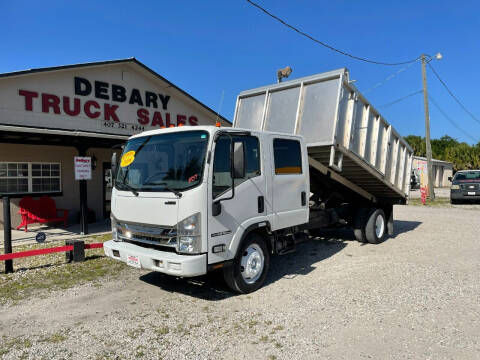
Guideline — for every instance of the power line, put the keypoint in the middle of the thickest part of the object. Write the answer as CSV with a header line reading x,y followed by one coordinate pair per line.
x,y
400,99
466,133
324,44
388,78
452,95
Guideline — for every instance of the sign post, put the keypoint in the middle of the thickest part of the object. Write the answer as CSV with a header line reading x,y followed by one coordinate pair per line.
x,y
7,233
83,172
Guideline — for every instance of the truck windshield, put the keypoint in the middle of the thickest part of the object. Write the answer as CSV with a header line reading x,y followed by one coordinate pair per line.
x,y
467,176
165,162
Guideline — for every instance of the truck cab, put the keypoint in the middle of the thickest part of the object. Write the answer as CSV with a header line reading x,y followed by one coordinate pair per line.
x,y
188,200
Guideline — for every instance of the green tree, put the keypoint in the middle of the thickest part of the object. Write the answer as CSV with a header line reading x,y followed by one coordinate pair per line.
x,y
439,146
463,156
418,144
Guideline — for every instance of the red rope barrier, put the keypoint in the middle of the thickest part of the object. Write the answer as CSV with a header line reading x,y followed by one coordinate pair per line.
x,y
35,252
28,253
94,246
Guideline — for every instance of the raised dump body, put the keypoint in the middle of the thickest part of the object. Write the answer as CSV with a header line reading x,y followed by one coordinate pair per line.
x,y
342,129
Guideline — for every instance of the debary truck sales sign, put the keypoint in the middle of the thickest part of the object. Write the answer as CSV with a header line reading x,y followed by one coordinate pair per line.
x,y
114,99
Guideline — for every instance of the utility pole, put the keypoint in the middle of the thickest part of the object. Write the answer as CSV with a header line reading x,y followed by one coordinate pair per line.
x,y
427,129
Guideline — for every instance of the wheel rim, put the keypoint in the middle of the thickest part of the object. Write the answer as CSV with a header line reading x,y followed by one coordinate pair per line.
x,y
379,226
252,263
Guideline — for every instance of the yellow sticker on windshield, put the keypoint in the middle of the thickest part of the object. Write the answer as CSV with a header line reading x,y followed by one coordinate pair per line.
x,y
127,158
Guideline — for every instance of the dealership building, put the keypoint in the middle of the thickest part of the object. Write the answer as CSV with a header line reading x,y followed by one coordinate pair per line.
x,y
49,116
441,171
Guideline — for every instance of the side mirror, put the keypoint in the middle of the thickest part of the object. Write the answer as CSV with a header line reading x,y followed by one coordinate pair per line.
x,y
216,208
238,160
449,178
114,165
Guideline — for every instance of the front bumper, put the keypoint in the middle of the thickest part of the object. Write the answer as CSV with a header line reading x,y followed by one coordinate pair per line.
x,y
463,195
155,260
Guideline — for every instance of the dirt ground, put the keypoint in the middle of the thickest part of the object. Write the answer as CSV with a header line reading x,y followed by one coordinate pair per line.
x,y
415,296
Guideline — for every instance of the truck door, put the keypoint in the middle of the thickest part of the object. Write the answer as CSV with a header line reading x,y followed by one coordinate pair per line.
x,y
290,184
247,207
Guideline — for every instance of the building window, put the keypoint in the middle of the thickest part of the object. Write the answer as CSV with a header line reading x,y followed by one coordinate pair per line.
x,y
29,177
287,156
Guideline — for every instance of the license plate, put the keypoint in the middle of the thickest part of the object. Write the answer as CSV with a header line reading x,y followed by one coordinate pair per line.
x,y
471,193
133,261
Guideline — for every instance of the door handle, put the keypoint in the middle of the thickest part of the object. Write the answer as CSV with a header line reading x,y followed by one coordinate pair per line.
x,y
261,204
303,196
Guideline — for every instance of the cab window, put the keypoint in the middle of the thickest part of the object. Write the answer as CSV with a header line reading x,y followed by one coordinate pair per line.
x,y
287,156
222,180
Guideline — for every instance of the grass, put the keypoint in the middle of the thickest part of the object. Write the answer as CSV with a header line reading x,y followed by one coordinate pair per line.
x,y
252,323
164,330
101,238
19,343
135,333
437,202
264,339
37,274
140,351
54,338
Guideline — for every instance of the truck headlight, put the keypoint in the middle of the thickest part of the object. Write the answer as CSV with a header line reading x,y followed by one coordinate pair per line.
x,y
188,234
455,187
114,228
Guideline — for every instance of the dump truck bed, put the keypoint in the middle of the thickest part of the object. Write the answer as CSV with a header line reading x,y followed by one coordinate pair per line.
x,y
343,131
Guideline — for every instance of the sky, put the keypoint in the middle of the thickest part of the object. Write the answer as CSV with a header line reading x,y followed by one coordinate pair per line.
x,y
210,48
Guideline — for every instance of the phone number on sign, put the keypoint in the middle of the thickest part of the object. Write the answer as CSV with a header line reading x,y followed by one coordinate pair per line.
x,y
118,125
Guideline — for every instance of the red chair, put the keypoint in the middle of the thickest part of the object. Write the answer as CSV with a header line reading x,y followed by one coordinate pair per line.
x,y
43,210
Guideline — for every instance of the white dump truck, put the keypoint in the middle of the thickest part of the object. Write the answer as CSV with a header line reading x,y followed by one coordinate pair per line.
x,y
302,155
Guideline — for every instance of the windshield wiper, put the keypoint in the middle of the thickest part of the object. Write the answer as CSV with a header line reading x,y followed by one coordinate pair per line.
x,y
176,192
128,187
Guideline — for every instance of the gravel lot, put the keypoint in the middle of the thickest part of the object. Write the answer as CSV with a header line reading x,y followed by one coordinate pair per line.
x,y
415,296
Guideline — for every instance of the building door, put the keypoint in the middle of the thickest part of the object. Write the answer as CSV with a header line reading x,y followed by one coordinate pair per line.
x,y
107,189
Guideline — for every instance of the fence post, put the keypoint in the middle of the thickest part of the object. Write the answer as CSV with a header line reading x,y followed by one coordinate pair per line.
x,y
7,233
78,252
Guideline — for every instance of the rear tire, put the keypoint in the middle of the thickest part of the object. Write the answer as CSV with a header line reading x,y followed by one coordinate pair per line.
x,y
250,266
376,227
361,218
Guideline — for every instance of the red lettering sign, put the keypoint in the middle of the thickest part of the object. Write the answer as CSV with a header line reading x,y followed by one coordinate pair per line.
x,y
50,101
157,119
66,106
109,112
29,95
143,116
87,108
181,119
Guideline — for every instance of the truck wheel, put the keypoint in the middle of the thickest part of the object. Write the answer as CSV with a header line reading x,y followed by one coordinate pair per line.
x,y
376,226
361,218
250,266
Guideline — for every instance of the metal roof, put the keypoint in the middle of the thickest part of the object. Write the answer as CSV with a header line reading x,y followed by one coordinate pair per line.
x,y
435,160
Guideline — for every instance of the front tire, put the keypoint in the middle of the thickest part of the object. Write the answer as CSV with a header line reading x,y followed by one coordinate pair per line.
x,y
376,226
361,218
250,266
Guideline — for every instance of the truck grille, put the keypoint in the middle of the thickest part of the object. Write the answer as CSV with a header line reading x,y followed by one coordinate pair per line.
x,y
470,187
148,235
